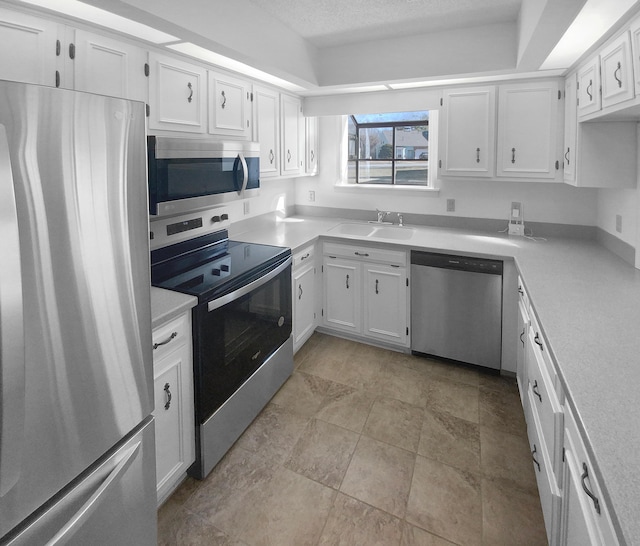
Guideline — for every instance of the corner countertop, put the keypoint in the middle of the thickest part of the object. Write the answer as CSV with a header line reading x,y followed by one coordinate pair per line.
x,y
166,305
587,301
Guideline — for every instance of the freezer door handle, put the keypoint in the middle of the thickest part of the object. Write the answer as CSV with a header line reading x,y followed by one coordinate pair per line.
x,y
93,502
12,356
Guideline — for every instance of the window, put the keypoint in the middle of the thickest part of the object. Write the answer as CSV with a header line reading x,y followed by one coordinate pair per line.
x,y
390,149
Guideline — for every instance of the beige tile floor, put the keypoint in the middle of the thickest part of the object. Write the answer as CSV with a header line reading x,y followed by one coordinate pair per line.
x,y
364,446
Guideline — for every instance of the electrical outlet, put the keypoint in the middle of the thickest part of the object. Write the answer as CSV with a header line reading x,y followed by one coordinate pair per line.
x,y
619,223
516,229
246,207
312,195
451,205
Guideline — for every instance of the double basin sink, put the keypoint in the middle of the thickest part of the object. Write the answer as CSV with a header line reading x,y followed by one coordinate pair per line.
x,y
375,231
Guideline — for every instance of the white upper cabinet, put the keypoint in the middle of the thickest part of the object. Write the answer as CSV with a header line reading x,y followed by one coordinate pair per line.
x,y
29,49
311,146
109,67
570,128
527,130
229,106
177,95
467,132
589,98
291,157
617,71
266,115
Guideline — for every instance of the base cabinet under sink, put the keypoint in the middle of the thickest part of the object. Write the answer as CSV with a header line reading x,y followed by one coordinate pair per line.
x,y
366,292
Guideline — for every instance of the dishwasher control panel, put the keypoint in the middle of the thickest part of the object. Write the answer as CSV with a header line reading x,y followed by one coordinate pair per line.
x,y
463,263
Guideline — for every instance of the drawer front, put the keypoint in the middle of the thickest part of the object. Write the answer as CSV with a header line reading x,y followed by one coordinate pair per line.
x,y
304,257
546,410
542,351
588,488
547,487
170,336
357,252
522,294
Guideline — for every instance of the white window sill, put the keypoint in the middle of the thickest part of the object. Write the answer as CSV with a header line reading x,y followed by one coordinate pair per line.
x,y
386,188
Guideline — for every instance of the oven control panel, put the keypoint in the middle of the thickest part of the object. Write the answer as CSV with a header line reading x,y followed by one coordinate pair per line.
x,y
166,231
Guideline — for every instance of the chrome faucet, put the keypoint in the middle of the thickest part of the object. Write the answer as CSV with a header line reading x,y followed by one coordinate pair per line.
x,y
381,215
400,220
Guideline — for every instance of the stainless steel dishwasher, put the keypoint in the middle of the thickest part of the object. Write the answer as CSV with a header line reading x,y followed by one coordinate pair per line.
x,y
456,308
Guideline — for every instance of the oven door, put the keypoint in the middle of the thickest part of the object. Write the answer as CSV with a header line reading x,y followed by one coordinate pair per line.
x,y
235,333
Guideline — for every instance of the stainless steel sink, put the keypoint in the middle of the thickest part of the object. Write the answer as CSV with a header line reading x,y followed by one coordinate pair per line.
x,y
395,233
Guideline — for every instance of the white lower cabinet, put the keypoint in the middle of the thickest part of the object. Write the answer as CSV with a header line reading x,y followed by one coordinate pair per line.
x,y
521,353
585,518
173,397
304,296
366,292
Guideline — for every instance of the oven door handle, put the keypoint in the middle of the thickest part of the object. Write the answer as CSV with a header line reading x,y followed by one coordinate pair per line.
x,y
245,174
227,298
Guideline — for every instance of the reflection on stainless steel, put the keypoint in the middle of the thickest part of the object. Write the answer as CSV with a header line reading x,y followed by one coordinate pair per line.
x,y
77,166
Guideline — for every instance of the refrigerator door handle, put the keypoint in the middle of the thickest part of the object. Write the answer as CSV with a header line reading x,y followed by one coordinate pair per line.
x,y
93,502
12,353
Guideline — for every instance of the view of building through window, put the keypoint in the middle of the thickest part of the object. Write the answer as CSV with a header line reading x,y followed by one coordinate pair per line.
x,y
389,148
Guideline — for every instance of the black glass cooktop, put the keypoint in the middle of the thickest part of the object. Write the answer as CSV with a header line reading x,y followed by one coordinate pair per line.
x,y
211,266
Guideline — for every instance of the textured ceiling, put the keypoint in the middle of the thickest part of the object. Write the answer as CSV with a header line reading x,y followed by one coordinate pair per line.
x,y
327,23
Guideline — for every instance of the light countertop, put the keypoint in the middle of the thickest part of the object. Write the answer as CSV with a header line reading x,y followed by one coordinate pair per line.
x,y
587,301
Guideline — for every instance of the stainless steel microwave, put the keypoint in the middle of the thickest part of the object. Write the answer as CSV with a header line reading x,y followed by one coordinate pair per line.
x,y
187,174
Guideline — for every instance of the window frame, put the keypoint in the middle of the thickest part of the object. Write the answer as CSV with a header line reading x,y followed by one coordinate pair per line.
x,y
393,125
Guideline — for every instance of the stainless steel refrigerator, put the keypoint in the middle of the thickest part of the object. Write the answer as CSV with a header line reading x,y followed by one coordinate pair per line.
x,y
77,461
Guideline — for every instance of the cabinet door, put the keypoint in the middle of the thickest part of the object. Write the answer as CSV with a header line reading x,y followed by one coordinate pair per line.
x,y
589,96
311,146
570,128
230,106
304,303
109,67
266,103
342,295
290,110
617,72
385,303
521,354
28,52
527,126
467,132
177,95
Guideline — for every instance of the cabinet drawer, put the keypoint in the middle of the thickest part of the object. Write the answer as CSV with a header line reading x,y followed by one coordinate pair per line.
x,y
542,351
546,411
170,336
522,294
547,487
304,257
378,255
587,491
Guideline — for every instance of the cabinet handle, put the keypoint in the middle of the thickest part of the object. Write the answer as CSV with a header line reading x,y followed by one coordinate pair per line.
x,y
619,69
521,336
224,100
288,156
566,156
520,291
167,393
590,86
477,155
537,341
304,257
347,282
377,291
299,291
312,156
535,390
271,156
361,254
585,475
57,78
190,97
172,336
513,155
533,456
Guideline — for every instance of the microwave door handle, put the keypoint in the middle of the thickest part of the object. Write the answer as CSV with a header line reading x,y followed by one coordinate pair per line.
x,y
245,172
12,352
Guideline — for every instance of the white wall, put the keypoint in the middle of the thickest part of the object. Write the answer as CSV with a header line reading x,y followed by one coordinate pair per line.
x,y
542,202
623,202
